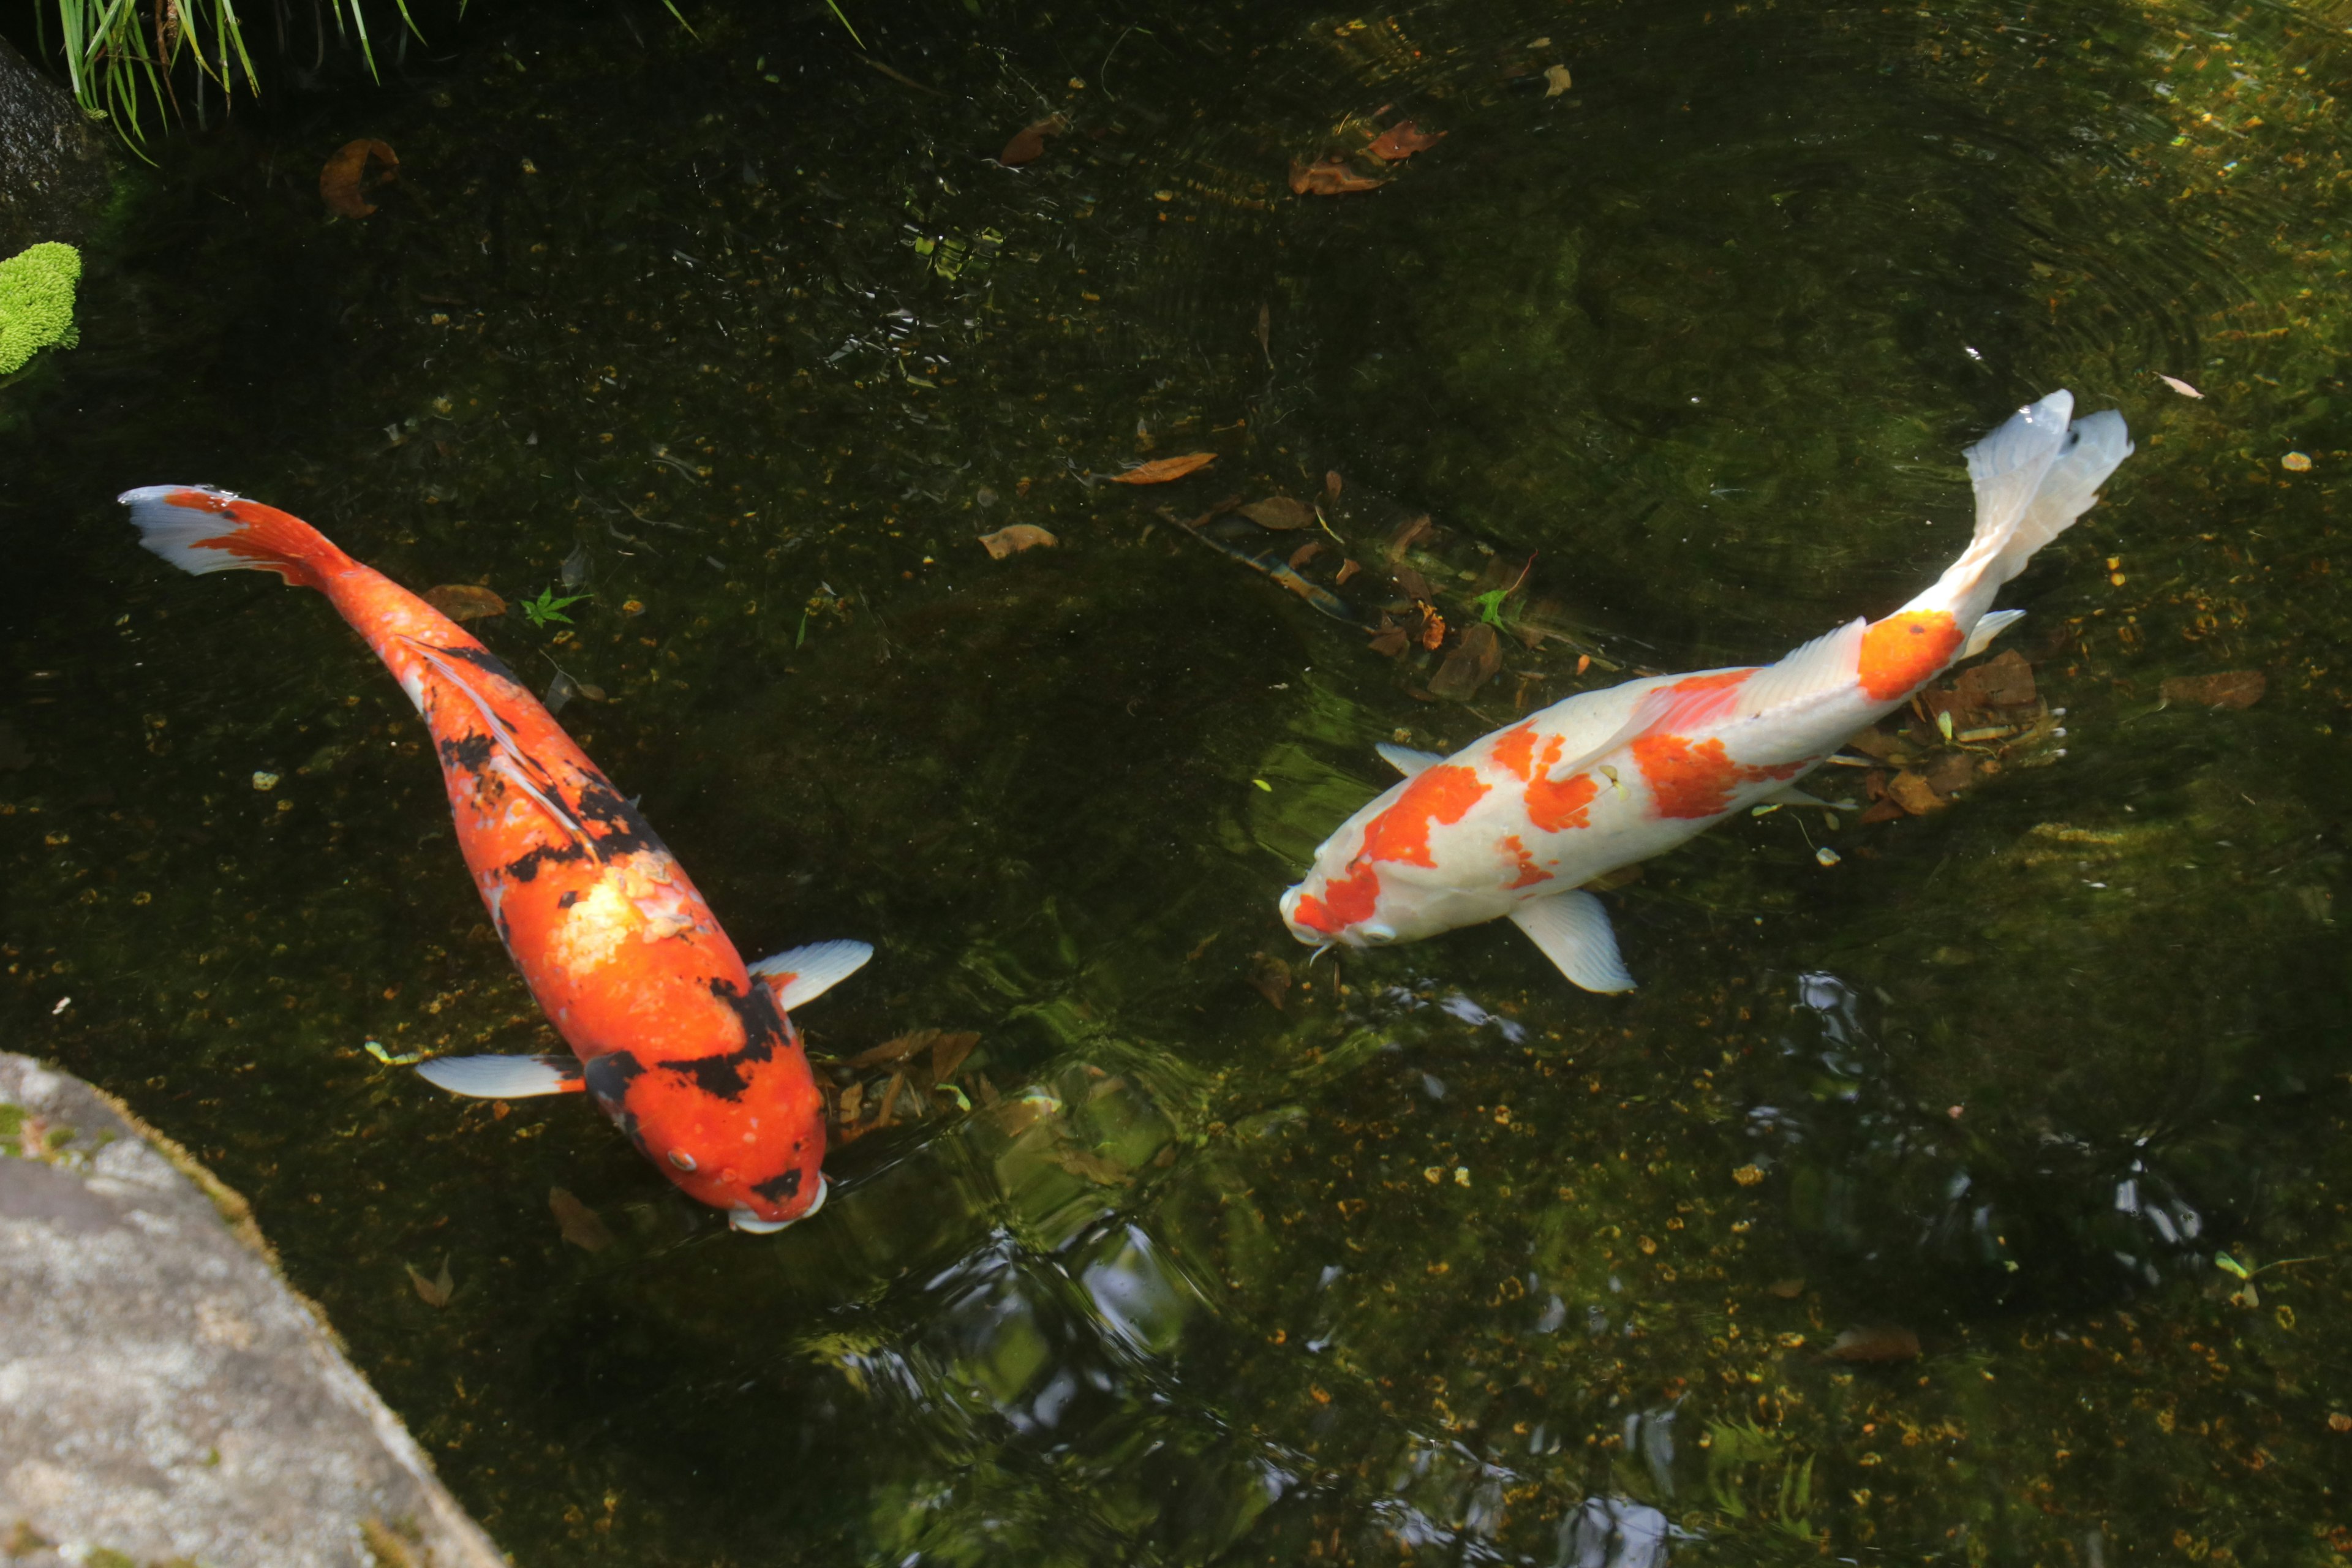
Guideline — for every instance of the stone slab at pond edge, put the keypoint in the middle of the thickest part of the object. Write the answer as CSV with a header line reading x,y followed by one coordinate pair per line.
x,y
165,1396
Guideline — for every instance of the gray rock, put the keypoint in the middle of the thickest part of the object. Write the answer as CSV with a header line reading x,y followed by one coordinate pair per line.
x,y
55,166
163,1395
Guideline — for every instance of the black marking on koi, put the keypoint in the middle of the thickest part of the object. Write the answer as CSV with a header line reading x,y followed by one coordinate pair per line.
x,y
468,754
777,1189
525,866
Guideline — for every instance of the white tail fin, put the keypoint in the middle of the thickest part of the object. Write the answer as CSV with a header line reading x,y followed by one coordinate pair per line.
x,y
2033,477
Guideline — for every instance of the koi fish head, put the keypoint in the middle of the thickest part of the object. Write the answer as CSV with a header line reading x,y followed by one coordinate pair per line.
x,y
1324,909
740,1128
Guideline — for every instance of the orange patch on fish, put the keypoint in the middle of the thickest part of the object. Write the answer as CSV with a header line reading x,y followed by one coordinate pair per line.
x,y
1351,899
1438,796
1529,872
1902,651
1555,805
1691,781
1515,753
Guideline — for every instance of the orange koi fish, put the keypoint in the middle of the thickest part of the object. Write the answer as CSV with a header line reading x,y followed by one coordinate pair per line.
x,y
693,1055
1513,825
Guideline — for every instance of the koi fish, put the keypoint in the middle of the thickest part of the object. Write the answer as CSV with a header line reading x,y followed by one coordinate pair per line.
x,y
691,1053
1514,825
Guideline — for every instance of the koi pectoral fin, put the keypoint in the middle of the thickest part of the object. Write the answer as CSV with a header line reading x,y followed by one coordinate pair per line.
x,y
1572,930
1990,627
799,975
503,1078
1405,760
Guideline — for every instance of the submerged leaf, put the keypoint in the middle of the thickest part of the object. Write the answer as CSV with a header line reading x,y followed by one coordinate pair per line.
x,y
2234,688
465,601
890,1050
1029,144
1558,79
1474,661
342,180
1270,978
1280,512
2181,386
437,1290
948,1053
1161,469
1331,177
1401,140
1881,1342
1013,541
1305,553
578,1222
2003,682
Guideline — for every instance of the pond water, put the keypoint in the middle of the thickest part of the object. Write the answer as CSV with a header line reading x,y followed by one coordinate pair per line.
x,y
1422,1256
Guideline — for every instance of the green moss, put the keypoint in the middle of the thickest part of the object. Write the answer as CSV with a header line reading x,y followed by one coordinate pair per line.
x,y
37,302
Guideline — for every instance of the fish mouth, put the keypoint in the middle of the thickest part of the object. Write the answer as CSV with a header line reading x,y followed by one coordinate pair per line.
x,y
740,1216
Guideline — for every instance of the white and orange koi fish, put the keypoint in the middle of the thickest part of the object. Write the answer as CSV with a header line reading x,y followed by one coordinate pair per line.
x,y
1516,822
690,1051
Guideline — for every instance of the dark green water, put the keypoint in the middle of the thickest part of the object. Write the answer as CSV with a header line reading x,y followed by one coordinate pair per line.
x,y
1443,1261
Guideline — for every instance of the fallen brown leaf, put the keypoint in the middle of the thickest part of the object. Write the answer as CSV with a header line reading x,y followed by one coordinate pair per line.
x,y
1029,144
891,1098
1331,177
1914,794
1280,512
2234,688
1950,773
1409,531
1305,553
1391,642
947,1053
341,181
1401,142
1878,1343
1161,469
2003,682
577,1221
1412,584
1474,661
1348,569
891,1050
1013,541
1331,482
465,601
1787,1290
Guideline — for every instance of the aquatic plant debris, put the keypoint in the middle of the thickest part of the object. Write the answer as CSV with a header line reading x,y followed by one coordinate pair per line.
x,y
1028,144
465,601
1874,1343
1557,80
1160,470
1013,541
436,1291
343,182
2180,386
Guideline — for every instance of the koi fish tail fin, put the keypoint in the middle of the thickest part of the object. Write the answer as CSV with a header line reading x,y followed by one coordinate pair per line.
x,y
200,529
2033,477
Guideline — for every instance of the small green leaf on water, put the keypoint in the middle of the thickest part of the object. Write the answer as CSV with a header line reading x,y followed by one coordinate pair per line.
x,y
2231,1266
1264,785
547,608
407,1059
1944,723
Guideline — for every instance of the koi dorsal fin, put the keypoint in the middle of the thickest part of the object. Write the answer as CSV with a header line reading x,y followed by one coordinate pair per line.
x,y
509,761
1826,667
799,975
1407,760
